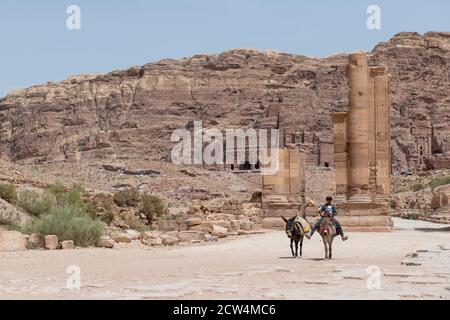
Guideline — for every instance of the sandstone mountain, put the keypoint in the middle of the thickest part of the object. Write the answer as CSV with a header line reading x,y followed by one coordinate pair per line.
x,y
129,115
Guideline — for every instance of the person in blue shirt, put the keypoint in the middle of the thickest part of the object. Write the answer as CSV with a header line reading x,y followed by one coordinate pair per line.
x,y
328,209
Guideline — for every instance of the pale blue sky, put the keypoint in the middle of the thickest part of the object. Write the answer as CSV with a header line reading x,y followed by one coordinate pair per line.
x,y
37,47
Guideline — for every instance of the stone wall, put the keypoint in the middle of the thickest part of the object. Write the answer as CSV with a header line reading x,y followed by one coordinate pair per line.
x,y
283,194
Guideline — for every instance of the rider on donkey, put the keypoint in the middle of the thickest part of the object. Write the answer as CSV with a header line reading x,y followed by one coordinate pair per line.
x,y
328,209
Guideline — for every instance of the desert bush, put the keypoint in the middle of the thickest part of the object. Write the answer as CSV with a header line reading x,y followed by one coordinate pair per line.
x,y
68,223
439,181
417,187
34,203
134,222
101,207
127,198
9,222
66,197
151,206
8,192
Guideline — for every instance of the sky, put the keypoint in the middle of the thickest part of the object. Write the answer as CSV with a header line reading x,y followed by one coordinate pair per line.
x,y
36,46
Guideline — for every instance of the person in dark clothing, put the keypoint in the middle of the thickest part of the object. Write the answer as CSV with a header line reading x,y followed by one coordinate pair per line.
x,y
328,209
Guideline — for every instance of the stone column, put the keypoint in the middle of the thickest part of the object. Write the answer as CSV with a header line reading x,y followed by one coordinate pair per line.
x,y
283,193
340,155
382,131
296,176
358,155
371,117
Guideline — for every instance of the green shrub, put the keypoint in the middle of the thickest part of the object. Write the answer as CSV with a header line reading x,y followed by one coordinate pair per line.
x,y
439,181
57,189
8,192
151,206
34,203
64,197
134,222
9,223
72,198
101,206
68,224
127,198
417,187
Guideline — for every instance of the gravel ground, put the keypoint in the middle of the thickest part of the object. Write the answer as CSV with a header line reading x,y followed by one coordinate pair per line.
x,y
412,262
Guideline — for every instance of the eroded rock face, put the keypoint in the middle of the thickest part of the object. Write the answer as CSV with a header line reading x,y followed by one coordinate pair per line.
x,y
131,114
10,212
419,83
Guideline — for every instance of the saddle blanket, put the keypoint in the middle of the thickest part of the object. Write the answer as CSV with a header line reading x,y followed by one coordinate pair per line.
x,y
305,224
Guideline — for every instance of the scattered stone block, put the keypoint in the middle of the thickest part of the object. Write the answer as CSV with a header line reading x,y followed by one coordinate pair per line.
x,y
189,236
219,231
133,234
149,235
235,224
105,242
210,238
123,238
51,242
167,225
36,241
169,241
257,226
12,241
246,225
193,222
68,245
156,242
223,224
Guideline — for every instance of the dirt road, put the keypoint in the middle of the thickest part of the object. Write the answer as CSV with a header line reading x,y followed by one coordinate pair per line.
x,y
253,267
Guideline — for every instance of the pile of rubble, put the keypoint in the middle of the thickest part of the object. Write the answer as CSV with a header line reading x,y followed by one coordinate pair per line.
x,y
429,204
16,241
202,222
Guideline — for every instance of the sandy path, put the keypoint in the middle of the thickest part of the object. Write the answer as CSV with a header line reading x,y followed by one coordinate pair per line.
x,y
254,267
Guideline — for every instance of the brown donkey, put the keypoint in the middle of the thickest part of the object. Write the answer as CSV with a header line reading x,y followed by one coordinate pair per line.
x,y
328,232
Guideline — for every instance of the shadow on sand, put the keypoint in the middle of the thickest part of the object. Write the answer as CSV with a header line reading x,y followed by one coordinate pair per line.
x,y
433,229
302,258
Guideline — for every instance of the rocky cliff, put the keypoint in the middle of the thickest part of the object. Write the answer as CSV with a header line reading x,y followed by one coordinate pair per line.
x,y
127,115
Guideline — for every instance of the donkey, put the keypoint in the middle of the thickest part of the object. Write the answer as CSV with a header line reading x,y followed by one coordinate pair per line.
x,y
328,232
294,232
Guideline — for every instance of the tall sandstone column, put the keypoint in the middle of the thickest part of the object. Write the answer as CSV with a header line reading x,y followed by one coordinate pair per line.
x,y
283,194
340,155
362,149
358,128
382,132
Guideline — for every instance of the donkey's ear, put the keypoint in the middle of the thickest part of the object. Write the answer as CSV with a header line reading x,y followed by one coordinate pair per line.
x,y
294,217
284,219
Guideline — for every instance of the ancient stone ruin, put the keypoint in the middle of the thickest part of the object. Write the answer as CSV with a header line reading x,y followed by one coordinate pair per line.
x,y
284,192
362,148
431,151
362,158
